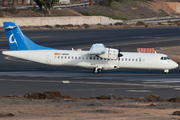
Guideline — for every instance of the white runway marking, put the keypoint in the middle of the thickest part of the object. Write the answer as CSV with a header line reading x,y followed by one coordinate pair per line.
x,y
65,81
176,88
139,90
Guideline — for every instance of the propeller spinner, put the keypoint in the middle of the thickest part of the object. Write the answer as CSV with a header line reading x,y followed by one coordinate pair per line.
x,y
119,54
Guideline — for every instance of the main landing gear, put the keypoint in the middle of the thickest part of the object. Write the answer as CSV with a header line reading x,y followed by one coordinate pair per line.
x,y
97,70
166,71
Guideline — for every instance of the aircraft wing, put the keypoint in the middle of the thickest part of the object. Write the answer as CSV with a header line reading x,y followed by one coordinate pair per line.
x,y
97,49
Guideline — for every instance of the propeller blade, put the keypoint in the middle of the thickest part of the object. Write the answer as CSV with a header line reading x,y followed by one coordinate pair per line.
x,y
119,54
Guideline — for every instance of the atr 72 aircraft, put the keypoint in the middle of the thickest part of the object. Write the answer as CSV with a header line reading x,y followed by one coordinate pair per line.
x,y
98,58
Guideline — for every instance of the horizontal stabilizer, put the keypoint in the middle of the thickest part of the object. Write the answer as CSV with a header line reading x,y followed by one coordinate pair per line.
x,y
10,27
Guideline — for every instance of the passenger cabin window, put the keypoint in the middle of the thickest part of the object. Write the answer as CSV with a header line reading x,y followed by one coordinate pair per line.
x,y
72,57
75,57
61,57
133,59
69,57
90,58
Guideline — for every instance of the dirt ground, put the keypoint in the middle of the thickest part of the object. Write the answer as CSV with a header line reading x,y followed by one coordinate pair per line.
x,y
131,10
69,109
31,13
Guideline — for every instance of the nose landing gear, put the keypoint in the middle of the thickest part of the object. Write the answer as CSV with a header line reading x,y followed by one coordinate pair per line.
x,y
166,71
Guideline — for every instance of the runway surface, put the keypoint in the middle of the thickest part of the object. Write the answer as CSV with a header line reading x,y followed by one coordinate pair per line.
x,y
20,77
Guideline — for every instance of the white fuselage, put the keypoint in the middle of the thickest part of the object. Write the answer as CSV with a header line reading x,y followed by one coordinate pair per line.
x,y
130,60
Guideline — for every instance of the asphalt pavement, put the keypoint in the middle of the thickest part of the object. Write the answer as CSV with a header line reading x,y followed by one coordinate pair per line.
x,y
20,77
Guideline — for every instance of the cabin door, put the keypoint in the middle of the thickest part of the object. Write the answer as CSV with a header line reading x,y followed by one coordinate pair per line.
x,y
48,59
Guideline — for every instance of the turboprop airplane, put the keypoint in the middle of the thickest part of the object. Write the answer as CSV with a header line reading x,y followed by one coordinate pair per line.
x,y
98,58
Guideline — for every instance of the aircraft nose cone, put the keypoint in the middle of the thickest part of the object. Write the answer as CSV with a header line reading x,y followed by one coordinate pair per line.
x,y
175,65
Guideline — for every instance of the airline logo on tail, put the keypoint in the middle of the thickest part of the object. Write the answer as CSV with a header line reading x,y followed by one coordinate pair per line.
x,y
12,41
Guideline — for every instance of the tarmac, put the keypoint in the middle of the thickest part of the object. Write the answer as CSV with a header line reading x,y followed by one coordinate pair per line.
x,y
19,77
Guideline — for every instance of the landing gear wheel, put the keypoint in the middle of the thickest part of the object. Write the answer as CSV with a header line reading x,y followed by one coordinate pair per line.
x,y
95,70
166,71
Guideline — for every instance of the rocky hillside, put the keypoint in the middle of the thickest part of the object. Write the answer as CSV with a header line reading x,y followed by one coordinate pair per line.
x,y
129,9
119,9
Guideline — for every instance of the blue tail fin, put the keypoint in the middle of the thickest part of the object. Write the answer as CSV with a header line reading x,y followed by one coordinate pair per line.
x,y
18,41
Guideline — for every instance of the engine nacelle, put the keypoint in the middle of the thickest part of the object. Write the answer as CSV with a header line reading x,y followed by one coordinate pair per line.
x,y
100,50
110,53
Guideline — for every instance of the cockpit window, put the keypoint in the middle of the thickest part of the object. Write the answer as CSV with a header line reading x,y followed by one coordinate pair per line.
x,y
165,58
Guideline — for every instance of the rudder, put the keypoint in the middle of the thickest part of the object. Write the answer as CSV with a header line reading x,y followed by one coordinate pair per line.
x,y
18,41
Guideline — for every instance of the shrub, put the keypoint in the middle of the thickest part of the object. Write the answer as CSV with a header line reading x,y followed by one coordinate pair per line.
x,y
26,96
146,25
86,25
102,97
112,97
52,94
159,23
140,23
175,99
105,2
169,21
176,113
37,95
70,25
99,24
118,23
162,11
48,26
11,9
58,26
153,98
66,96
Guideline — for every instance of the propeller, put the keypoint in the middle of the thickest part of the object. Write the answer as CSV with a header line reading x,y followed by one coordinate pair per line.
x,y
119,54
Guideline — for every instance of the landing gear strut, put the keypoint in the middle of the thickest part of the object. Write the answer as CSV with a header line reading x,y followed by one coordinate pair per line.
x,y
166,71
97,70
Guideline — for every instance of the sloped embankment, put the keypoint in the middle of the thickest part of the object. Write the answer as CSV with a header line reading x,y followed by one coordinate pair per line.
x,y
130,10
